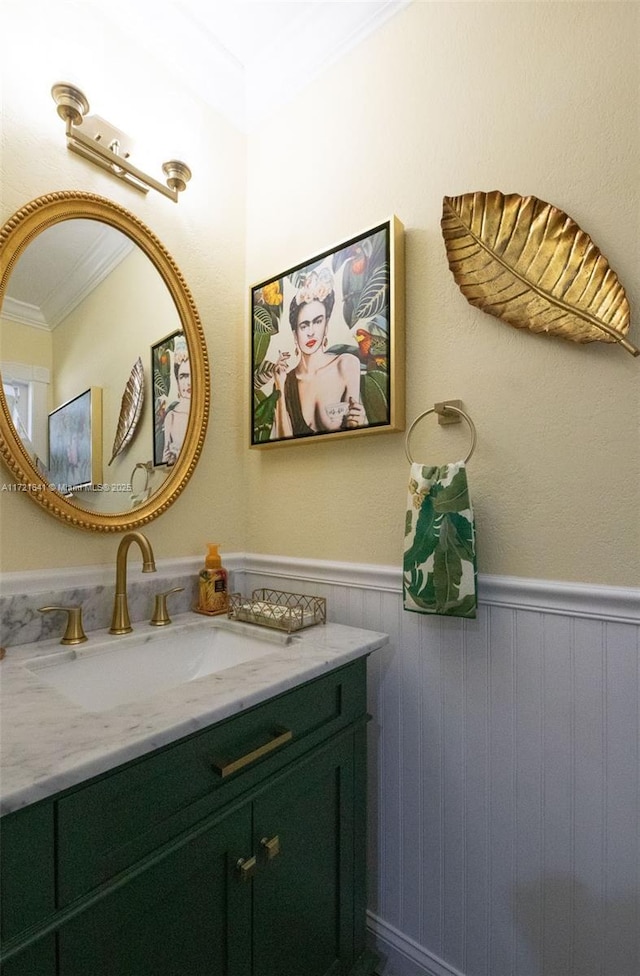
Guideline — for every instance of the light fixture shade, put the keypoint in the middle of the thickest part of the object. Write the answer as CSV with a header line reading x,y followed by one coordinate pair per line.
x,y
178,174
71,102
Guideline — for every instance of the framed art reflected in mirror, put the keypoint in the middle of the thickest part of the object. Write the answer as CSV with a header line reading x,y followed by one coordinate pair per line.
x,y
171,373
75,443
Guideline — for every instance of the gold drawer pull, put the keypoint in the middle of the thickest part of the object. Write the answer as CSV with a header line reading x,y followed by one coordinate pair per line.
x,y
271,846
246,868
281,736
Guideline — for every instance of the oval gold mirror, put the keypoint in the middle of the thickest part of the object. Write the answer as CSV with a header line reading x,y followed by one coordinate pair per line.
x,y
104,400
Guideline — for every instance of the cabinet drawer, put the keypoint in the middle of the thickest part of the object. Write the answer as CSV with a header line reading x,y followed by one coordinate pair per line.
x,y
108,825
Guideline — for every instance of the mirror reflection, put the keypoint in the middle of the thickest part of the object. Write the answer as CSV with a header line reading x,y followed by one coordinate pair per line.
x,y
96,367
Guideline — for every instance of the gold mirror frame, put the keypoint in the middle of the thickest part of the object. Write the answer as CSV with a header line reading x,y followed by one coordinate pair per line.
x,y
16,235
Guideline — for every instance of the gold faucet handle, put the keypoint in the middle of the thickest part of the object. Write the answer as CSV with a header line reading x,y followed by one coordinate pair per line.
x,y
160,613
74,633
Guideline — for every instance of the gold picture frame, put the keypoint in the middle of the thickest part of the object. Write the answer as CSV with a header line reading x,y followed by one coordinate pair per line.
x,y
327,343
35,218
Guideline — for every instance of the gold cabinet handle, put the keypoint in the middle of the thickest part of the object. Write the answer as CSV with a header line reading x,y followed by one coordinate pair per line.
x,y
281,736
246,868
271,846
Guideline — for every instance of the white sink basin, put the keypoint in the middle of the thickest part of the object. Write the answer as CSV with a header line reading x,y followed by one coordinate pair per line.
x,y
117,670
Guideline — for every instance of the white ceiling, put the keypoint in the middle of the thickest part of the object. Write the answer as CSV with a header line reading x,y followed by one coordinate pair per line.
x,y
248,57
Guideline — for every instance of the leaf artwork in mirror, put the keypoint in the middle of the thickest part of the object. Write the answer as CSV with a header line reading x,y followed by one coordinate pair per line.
x,y
130,409
85,291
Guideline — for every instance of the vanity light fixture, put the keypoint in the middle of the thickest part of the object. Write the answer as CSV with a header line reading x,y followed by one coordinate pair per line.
x,y
103,144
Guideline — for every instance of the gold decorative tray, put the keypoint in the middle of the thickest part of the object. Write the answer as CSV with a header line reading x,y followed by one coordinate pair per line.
x,y
277,609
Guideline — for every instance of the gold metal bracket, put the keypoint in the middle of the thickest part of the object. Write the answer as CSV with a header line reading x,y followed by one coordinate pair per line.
x,y
446,417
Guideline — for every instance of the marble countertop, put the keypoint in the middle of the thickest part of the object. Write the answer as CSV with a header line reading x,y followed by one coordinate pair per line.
x,y
48,743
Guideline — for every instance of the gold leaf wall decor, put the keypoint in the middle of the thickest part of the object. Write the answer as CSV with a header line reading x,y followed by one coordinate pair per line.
x,y
130,409
529,264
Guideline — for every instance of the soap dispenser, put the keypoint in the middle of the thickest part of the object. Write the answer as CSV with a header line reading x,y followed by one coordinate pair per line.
x,y
213,595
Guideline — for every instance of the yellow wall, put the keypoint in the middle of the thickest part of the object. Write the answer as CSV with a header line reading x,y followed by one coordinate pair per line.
x,y
25,344
445,98
531,98
204,233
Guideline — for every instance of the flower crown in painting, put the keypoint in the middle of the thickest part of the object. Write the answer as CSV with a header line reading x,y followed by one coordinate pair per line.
x,y
314,286
180,350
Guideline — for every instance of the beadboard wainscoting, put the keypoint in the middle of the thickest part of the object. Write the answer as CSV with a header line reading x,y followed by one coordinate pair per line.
x,y
504,773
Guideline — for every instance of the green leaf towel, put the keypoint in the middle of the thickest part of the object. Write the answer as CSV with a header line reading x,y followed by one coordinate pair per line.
x,y
439,572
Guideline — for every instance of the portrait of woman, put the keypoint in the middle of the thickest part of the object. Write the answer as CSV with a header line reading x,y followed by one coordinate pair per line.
x,y
177,415
321,391
171,371
327,343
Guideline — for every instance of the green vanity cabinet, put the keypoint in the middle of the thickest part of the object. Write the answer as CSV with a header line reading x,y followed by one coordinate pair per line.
x,y
303,918
37,960
236,851
183,914
27,888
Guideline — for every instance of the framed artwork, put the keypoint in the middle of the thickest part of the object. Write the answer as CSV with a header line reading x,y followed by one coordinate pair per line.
x,y
75,442
171,372
327,343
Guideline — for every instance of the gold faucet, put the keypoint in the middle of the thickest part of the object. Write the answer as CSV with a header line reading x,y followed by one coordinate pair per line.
x,y
120,622
74,632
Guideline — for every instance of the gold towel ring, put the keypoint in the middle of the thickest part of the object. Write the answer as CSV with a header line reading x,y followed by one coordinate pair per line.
x,y
445,409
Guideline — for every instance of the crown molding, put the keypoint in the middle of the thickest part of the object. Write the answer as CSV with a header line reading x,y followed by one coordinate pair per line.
x,y
73,279
336,29
96,264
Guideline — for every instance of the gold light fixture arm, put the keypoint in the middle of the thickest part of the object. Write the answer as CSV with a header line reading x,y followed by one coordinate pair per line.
x,y
72,108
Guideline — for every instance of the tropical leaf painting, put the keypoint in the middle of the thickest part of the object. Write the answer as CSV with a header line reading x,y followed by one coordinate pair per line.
x,y
365,278
355,282
161,368
264,407
264,321
266,314
439,566
527,263
374,387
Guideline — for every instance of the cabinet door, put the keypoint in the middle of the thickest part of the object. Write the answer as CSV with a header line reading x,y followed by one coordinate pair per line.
x,y
38,960
27,888
303,887
187,913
